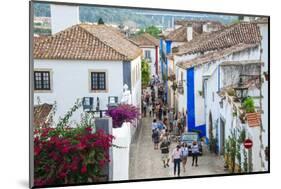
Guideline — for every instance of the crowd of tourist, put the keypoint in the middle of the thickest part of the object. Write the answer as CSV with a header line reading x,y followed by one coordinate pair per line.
x,y
167,126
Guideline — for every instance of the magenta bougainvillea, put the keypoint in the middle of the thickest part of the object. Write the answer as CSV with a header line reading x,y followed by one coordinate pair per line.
x,y
123,113
69,155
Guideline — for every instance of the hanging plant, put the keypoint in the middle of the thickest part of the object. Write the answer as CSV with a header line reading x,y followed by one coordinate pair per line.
x,y
249,105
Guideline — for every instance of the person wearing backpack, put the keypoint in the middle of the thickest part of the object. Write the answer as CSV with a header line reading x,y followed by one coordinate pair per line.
x,y
184,155
156,138
164,147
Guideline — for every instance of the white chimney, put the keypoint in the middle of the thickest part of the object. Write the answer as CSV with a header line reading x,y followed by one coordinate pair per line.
x,y
205,27
63,16
189,31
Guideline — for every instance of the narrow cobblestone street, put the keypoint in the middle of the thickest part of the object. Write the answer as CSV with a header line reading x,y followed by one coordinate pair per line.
x,y
145,162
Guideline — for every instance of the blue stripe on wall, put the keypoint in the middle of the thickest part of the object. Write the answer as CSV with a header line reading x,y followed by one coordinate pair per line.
x,y
127,73
191,117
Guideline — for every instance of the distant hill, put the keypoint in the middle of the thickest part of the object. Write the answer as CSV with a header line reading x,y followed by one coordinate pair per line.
x,y
141,18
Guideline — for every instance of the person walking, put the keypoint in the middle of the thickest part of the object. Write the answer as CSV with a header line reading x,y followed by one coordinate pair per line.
x,y
160,112
153,109
184,155
195,152
144,108
154,125
155,138
164,147
150,109
176,157
171,119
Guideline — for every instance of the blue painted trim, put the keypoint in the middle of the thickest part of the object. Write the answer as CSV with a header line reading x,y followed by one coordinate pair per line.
x,y
127,74
191,105
168,46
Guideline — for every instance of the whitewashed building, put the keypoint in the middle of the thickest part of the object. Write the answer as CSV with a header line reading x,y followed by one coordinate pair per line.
x,y
83,60
184,33
150,49
215,62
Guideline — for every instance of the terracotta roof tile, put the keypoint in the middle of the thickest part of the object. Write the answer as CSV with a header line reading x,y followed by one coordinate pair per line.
x,y
180,34
253,119
247,33
145,39
41,114
86,42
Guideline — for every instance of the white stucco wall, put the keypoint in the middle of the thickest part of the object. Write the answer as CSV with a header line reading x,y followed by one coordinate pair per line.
x,y
136,85
182,98
70,81
136,88
121,156
198,99
264,87
153,58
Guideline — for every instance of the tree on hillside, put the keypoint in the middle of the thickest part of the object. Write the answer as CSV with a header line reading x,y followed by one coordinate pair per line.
x,y
152,30
100,21
145,72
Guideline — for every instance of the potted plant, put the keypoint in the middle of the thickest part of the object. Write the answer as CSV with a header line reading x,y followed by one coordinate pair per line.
x,y
123,113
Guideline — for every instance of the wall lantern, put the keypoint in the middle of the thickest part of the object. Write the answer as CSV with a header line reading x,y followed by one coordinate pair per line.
x,y
240,91
112,101
98,104
87,103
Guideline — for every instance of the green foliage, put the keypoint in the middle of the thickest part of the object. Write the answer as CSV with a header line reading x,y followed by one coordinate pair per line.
x,y
245,162
65,120
249,105
233,151
100,21
152,30
145,72
41,31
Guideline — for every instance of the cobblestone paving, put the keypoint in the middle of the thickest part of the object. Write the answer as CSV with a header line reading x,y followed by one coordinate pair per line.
x,y
145,162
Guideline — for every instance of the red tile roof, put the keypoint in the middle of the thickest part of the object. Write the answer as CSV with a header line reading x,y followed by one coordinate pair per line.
x,y
87,42
41,113
180,34
253,119
145,39
247,33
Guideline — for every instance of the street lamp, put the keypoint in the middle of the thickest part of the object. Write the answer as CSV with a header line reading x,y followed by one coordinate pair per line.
x,y
87,103
241,91
112,101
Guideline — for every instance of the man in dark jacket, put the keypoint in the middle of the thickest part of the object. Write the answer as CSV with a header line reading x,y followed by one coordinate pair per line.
x,y
164,147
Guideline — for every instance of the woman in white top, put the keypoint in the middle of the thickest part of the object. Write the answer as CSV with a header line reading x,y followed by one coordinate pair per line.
x,y
195,152
176,157
184,155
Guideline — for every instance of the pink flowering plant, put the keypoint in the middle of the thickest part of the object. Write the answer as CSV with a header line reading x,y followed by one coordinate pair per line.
x,y
65,155
123,113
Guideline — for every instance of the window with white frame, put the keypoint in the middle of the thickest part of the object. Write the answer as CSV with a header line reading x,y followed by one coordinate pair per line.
x,y
147,55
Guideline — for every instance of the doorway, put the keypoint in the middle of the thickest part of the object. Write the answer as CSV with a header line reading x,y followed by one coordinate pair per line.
x,y
222,136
